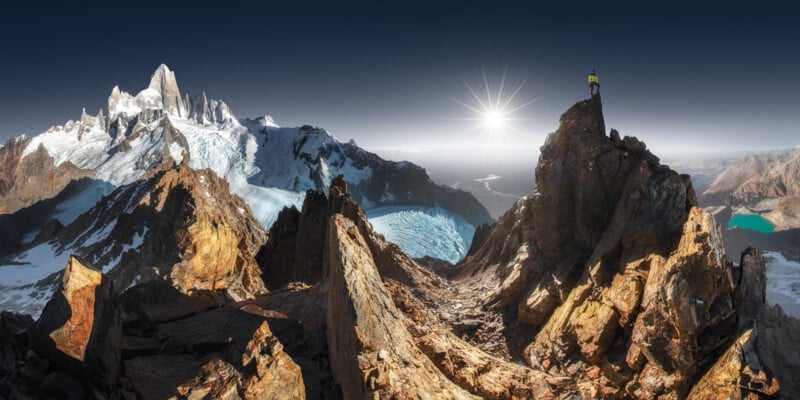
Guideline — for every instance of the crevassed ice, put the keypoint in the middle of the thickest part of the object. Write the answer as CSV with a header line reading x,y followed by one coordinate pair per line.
x,y
424,231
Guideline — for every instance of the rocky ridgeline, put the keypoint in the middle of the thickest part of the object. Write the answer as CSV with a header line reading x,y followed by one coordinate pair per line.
x,y
608,282
24,180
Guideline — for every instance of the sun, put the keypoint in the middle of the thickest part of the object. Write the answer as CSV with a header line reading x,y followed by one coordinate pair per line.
x,y
494,119
494,110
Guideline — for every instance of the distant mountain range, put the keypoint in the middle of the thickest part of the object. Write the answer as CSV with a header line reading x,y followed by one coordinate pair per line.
x,y
71,189
767,184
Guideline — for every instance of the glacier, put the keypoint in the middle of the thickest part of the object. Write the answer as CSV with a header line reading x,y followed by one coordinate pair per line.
x,y
424,231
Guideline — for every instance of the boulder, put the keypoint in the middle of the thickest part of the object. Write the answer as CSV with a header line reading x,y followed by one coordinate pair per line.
x,y
80,326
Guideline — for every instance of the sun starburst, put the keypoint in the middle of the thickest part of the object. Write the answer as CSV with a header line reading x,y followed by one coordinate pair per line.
x,y
494,110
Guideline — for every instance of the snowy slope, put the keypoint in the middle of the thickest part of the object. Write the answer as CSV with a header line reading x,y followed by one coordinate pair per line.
x,y
783,283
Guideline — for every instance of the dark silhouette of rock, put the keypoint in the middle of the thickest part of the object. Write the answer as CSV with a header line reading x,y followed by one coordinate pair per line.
x,y
293,252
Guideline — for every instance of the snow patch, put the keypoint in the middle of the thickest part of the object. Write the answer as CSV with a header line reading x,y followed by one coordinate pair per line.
x,y
18,289
783,282
267,203
176,151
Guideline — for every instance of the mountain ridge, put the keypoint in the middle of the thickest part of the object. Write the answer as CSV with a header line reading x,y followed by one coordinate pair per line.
x,y
607,282
269,166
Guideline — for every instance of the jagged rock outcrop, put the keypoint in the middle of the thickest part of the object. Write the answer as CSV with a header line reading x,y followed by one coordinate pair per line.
x,y
177,224
293,252
737,374
27,179
90,343
163,82
608,282
372,354
624,280
80,327
268,373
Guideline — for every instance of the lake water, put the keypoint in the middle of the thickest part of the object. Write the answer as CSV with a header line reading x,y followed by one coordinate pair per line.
x,y
752,222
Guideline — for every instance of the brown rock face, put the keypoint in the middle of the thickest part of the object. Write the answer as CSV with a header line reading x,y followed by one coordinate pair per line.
x,y
372,354
737,375
80,326
293,252
624,279
216,242
200,350
274,374
193,232
26,180
269,373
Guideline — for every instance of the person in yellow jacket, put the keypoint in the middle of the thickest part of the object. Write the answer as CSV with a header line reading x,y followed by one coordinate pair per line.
x,y
593,82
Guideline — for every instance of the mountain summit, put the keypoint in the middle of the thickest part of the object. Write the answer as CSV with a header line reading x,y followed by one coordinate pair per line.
x,y
164,83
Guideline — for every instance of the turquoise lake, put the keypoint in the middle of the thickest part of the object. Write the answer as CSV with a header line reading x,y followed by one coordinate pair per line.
x,y
752,222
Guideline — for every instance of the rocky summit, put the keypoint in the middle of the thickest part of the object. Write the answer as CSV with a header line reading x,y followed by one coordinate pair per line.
x,y
607,282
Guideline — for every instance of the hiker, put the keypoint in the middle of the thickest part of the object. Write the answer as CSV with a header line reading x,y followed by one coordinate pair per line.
x,y
593,82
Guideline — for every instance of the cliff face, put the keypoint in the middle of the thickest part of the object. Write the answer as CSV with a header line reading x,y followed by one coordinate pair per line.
x,y
623,280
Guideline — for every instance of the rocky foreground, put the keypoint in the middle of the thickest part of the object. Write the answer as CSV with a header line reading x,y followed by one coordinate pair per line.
x,y
608,282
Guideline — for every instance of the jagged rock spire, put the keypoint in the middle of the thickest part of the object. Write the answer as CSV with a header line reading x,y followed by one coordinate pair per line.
x,y
163,81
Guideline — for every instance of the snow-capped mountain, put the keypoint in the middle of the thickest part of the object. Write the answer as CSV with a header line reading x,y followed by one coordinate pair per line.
x,y
268,166
262,161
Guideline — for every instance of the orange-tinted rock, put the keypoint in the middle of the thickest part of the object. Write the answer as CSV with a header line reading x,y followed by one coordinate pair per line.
x,y
737,375
273,374
372,355
80,326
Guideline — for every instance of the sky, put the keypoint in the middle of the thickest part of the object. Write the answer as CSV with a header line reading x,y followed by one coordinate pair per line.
x,y
685,78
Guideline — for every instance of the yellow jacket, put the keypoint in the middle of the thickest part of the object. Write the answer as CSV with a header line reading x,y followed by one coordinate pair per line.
x,y
593,79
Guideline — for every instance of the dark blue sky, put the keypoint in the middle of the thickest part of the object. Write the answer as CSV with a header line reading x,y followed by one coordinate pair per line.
x,y
683,77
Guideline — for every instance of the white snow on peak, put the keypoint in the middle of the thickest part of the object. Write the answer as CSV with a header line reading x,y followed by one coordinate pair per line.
x,y
176,151
161,74
267,121
149,99
303,158
122,103
83,143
